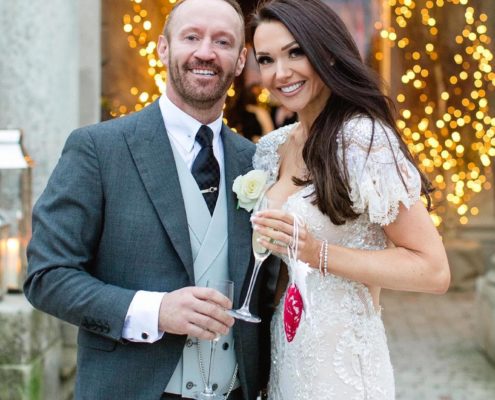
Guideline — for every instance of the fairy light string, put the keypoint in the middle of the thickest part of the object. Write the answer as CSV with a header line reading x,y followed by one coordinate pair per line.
x,y
443,96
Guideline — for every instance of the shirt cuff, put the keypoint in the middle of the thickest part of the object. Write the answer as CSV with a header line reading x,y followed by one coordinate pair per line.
x,y
141,321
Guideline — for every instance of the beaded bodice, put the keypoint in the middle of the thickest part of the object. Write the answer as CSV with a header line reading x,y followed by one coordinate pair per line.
x,y
340,350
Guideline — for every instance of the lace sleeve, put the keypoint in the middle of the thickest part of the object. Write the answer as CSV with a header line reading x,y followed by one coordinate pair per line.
x,y
382,179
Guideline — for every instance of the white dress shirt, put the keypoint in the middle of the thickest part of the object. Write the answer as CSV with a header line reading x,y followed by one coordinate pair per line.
x,y
141,322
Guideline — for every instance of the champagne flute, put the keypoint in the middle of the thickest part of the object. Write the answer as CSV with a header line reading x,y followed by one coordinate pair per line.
x,y
225,287
260,254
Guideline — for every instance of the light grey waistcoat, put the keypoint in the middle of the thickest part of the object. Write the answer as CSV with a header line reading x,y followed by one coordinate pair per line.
x,y
209,245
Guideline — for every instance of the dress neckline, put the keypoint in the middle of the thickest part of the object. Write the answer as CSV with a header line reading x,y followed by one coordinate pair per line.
x,y
284,132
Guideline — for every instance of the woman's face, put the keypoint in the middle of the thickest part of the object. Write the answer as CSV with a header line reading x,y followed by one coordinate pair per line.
x,y
286,71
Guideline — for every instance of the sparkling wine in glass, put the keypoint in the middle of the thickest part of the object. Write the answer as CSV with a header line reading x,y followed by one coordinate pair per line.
x,y
225,287
260,254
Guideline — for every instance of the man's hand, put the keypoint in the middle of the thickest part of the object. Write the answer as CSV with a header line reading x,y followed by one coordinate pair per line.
x,y
195,311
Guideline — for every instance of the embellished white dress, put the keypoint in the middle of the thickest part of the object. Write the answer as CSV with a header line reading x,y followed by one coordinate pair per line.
x,y
340,351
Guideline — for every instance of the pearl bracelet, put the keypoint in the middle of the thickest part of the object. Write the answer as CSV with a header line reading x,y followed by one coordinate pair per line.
x,y
323,264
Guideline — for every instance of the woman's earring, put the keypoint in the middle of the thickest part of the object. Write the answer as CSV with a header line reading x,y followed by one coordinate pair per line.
x,y
332,62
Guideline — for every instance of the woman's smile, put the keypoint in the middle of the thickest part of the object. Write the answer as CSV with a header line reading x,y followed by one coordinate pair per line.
x,y
292,88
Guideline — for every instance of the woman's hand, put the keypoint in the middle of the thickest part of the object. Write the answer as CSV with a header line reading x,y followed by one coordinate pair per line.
x,y
277,229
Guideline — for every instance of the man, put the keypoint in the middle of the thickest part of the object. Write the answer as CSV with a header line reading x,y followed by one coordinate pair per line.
x,y
139,213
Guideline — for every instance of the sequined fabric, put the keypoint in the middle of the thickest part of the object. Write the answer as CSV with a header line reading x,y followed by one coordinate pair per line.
x,y
340,349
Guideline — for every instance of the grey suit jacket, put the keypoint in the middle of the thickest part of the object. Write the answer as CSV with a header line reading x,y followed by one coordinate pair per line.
x,y
111,221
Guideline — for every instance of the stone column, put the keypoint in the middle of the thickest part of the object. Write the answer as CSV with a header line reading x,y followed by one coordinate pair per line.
x,y
50,68
90,61
39,77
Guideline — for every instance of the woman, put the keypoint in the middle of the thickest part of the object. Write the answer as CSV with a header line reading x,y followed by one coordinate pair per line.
x,y
344,170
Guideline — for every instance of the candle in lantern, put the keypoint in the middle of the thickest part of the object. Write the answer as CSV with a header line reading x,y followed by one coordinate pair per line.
x,y
3,257
12,264
4,235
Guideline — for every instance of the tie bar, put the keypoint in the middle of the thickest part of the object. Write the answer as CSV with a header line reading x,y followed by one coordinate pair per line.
x,y
210,190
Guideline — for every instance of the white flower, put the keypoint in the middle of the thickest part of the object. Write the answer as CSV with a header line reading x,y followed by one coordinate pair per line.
x,y
249,187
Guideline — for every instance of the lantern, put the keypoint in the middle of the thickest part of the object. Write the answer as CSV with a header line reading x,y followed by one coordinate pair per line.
x,y
15,206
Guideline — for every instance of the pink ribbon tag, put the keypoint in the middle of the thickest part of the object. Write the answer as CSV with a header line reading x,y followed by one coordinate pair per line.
x,y
293,308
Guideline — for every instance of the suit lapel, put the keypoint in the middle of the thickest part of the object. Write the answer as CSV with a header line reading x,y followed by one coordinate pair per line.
x,y
154,159
237,162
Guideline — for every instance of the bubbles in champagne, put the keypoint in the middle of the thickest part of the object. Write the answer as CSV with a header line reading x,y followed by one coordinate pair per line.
x,y
259,251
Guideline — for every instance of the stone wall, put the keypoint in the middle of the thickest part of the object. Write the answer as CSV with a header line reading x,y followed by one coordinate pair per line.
x,y
31,351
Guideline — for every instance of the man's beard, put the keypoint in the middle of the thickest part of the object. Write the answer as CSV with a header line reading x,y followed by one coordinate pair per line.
x,y
193,93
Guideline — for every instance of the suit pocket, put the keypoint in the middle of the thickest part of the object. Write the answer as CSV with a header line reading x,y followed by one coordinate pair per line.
x,y
93,341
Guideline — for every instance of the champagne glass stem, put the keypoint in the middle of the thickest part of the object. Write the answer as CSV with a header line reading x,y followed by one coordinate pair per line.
x,y
247,300
213,347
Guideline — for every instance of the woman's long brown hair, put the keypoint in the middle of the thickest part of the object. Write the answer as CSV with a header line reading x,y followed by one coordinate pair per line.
x,y
332,52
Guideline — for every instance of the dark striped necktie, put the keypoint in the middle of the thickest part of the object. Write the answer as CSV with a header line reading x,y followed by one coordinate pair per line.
x,y
205,168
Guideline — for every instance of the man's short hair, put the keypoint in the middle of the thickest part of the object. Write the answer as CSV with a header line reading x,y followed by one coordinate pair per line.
x,y
233,3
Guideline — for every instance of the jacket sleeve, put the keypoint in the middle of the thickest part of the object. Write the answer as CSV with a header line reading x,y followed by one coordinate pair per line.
x,y
67,223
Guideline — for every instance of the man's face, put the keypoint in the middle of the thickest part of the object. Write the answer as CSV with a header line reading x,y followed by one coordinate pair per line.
x,y
203,53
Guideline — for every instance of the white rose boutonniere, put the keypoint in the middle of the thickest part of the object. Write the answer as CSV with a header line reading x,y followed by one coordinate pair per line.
x,y
249,187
